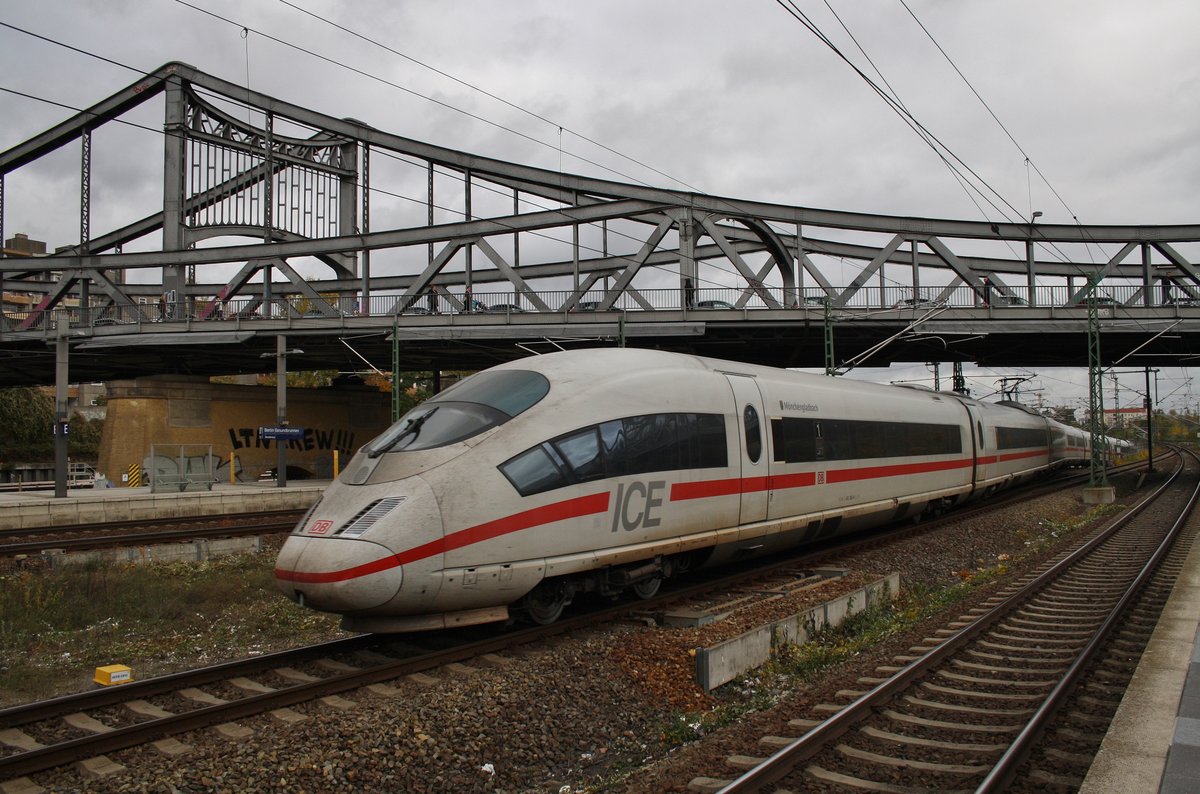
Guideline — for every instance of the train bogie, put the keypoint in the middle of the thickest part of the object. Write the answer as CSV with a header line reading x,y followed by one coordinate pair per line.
x,y
606,471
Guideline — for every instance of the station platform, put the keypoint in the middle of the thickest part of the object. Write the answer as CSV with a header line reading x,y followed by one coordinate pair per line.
x,y
1153,743
20,509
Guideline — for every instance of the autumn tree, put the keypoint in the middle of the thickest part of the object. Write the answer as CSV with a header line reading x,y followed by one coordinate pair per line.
x,y
27,414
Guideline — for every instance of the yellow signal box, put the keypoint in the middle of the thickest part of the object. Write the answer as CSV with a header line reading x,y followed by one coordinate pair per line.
x,y
112,674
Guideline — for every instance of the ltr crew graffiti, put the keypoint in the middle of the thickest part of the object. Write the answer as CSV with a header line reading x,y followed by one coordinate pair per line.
x,y
314,439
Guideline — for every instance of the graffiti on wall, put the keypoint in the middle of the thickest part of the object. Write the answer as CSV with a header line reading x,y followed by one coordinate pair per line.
x,y
314,439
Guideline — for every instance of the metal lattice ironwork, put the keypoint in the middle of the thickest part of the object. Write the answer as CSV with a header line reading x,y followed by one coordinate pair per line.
x,y
280,196
1096,429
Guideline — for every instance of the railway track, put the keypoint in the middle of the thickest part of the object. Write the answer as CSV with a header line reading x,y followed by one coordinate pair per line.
x,y
1017,693
117,534
35,540
41,736
85,726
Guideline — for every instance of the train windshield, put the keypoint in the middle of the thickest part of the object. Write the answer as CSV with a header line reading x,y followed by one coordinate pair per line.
x,y
468,408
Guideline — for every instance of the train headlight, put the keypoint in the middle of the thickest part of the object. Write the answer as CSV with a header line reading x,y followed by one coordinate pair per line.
x,y
369,515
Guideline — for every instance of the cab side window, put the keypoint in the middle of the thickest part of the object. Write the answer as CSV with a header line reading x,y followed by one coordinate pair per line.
x,y
753,433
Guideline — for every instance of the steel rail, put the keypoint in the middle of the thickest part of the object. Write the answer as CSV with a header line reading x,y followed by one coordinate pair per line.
x,y
27,713
786,760
144,538
228,519
17,715
1005,770
33,761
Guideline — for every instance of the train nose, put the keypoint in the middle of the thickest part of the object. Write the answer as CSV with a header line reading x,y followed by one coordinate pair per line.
x,y
337,574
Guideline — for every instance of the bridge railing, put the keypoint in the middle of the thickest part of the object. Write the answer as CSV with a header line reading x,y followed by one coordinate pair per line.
x,y
706,299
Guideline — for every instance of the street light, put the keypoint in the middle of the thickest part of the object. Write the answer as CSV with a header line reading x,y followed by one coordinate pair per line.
x,y
280,355
1030,276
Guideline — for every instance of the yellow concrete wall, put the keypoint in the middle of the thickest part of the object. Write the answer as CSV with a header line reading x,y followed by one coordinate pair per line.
x,y
173,409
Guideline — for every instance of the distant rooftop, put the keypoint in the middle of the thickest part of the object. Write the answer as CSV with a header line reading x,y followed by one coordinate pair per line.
x,y
21,245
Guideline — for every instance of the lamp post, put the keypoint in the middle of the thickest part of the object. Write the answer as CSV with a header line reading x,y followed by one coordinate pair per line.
x,y
280,355
1030,278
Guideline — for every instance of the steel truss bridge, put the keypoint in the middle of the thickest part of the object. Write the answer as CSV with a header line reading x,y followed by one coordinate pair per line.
x,y
367,248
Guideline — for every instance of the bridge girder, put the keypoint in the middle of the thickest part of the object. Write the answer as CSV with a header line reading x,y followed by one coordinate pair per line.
x,y
298,186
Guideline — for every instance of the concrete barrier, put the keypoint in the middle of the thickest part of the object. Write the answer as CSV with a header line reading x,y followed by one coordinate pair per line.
x,y
121,505
725,661
196,550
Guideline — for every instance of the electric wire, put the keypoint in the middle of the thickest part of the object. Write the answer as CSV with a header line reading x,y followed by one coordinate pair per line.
x,y
897,106
1028,160
560,127
243,30
893,100
397,86
326,59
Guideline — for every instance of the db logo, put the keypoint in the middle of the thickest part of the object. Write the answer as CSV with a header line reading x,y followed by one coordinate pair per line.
x,y
320,527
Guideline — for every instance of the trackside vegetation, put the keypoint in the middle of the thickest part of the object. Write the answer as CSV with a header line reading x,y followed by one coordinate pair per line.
x,y
57,626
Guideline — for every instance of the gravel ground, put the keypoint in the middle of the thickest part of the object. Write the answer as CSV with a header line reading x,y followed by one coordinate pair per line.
x,y
602,711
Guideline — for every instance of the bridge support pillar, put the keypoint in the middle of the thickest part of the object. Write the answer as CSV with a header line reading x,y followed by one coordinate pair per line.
x,y
61,350
174,277
281,408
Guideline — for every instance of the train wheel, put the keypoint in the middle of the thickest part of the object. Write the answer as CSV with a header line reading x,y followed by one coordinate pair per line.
x,y
647,588
545,603
679,564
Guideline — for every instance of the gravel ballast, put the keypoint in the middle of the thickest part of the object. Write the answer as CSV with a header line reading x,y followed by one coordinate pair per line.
x,y
604,710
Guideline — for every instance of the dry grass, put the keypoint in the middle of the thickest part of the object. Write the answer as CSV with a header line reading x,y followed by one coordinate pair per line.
x,y
57,626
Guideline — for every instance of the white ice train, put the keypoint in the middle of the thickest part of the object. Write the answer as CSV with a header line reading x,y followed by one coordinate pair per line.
x,y
608,470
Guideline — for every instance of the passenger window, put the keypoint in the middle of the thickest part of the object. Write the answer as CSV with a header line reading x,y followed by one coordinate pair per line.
x,y
633,445
533,471
753,434
652,442
613,435
581,451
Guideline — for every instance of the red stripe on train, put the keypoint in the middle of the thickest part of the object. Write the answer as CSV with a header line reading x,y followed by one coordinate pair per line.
x,y
548,514
598,503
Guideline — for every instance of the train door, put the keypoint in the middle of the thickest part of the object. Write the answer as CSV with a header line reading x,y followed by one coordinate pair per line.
x,y
976,437
752,444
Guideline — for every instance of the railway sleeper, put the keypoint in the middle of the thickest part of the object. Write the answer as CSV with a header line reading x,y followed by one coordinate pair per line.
x,y
1011,697
19,740
995,682
996,646
1015,658
995,668
743,761
909,719
1120,677
99,767
1090,719
934,744
1055,779
953,707
823,775
908,763
1077,759
1106,704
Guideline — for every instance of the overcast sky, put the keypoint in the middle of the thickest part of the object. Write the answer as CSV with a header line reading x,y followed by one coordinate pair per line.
x,y
728,98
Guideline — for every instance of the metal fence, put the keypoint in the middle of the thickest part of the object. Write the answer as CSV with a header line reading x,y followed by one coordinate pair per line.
x,y
703,299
